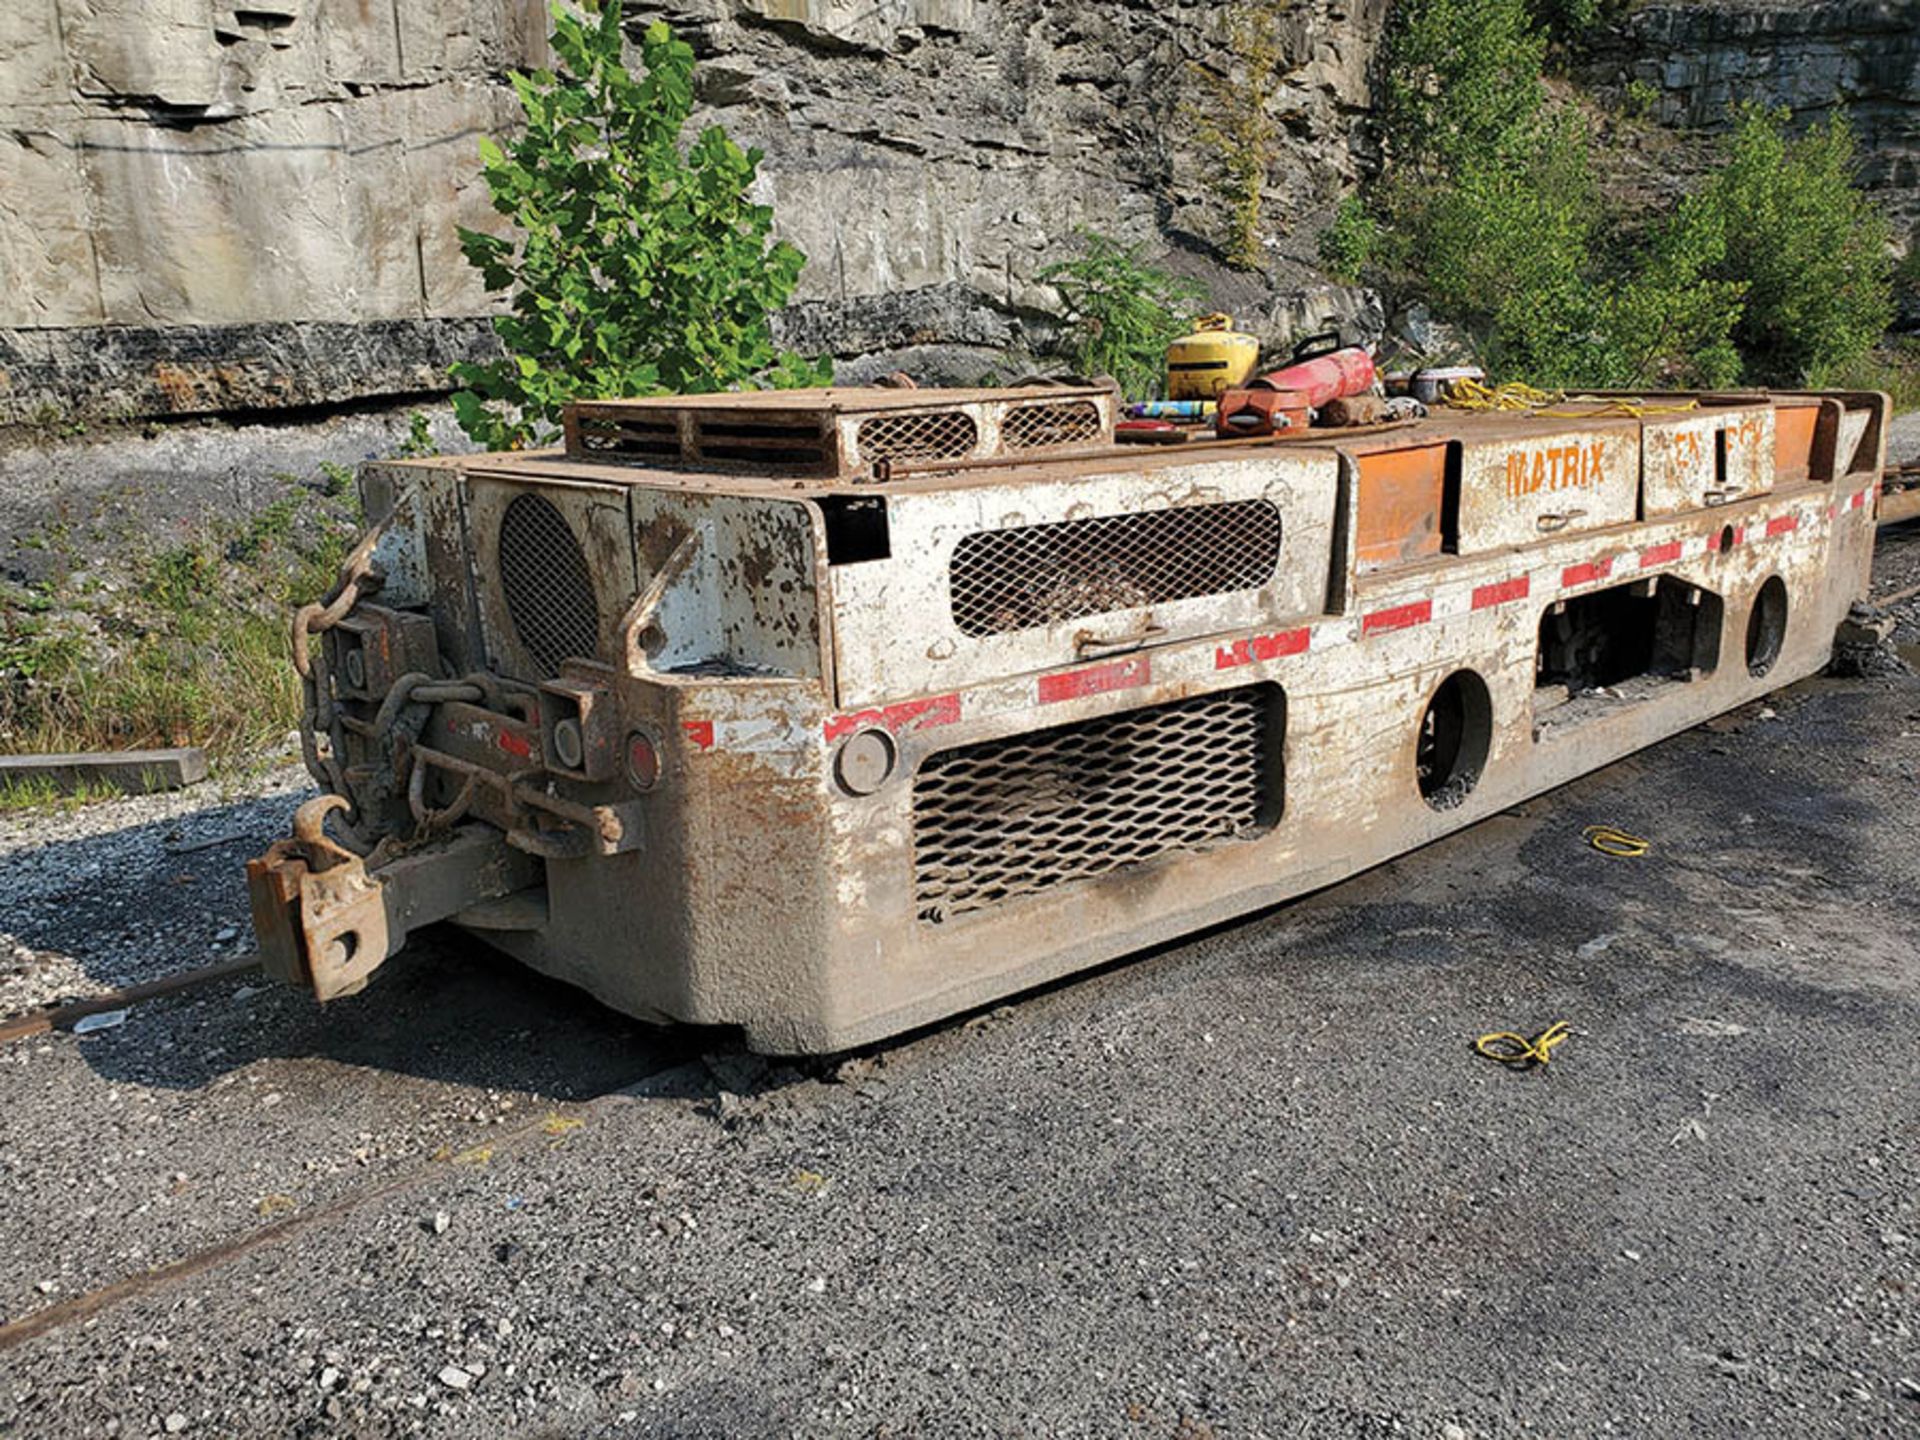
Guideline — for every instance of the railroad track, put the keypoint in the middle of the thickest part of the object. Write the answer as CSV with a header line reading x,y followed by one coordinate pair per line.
x,y
61,1017
673,1051
1900,493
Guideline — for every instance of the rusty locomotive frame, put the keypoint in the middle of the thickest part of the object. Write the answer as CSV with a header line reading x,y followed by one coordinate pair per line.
x,y
828,714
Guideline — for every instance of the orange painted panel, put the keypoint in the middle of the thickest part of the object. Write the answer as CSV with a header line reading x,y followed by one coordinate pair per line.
x,y
1401,495
1793,427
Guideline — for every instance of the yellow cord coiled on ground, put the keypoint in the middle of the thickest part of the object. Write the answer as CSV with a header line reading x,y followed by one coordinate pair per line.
x,y
1511,1048
1617,843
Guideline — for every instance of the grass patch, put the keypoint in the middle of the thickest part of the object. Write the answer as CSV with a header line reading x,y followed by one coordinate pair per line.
x,y
37,794
183,645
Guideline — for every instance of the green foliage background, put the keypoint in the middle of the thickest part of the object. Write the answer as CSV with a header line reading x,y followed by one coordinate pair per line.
x,y
635,265
1122,310
1774,271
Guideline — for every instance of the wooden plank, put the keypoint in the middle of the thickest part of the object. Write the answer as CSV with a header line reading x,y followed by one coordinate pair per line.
x,y
135,772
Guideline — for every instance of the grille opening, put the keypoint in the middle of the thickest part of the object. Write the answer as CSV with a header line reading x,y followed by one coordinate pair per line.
x,y
1019,579
764,442
543,576
1035,427
653,440
935,435
1621,644
1013,817
856,528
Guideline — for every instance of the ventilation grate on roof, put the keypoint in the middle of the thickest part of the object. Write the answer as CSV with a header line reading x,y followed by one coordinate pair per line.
x,y
930,435
1039,427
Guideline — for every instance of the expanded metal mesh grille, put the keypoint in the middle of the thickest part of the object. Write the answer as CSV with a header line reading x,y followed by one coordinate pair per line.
x,y
1033,427
1035,575
543,574
940,435
1013,817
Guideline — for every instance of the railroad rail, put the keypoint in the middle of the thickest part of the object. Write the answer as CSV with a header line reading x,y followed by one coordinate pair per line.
x,y
1900,493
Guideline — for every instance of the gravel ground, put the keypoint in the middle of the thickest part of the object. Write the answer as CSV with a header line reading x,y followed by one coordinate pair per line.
x,y
129,890
175,475
1903,439
1254,1184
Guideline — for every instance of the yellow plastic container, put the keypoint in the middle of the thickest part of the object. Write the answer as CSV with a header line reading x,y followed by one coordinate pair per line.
x,y
1214,358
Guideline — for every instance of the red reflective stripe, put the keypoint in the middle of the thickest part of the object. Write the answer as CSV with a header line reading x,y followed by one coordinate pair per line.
x,y
1095,680
1783,525
907,715
700,732
1501,591
1256,648
1398,617
1661,554
1586,574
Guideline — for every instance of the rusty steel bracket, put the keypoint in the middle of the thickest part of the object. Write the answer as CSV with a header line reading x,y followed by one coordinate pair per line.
x,y
327,919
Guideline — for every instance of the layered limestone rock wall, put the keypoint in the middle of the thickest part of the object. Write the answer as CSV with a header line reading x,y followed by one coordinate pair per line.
x,y
1862,56
229,205
932,156
208,205
212,205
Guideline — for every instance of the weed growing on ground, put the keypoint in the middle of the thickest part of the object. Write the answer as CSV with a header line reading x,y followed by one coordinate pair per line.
x,y
179,644
1893,367
37,794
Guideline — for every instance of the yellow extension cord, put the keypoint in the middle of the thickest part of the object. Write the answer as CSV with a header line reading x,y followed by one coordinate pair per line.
x,y
1617,843
1514,396
1511,1048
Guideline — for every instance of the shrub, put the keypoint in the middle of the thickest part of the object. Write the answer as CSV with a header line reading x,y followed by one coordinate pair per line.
x,y
185,643
1777,269
1810,249
634,266
1462,84
1121,310
1232,114
1348,244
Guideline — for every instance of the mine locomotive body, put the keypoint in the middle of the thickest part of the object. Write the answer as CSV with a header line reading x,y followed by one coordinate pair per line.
x,y
826,714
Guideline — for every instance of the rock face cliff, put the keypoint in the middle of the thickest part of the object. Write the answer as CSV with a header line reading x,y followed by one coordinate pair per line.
x,y
217,206
1862,56
214,205
209,205
931,156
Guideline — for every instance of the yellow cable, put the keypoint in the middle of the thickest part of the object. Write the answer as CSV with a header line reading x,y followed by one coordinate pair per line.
x,y
1515,396
1511,1048
1617,843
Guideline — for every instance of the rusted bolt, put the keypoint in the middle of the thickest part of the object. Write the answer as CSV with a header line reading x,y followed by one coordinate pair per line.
x,y
356,668
865,762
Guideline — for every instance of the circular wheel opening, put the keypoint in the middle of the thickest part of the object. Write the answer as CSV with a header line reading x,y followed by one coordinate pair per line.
x,y
1455,734
543,575
1766,627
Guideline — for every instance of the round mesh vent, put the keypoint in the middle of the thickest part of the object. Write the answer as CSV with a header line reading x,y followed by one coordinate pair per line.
x,y
543,575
